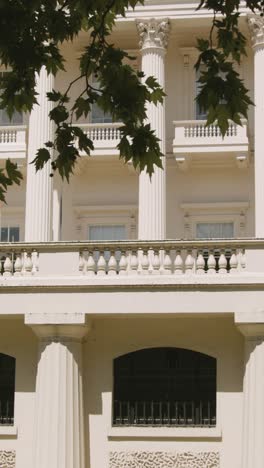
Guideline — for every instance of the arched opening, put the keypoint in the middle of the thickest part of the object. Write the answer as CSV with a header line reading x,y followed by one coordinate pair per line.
x,y
165,386
7,389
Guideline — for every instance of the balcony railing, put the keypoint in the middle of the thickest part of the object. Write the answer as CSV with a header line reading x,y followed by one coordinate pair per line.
x,y
194,136
105,137
13,140
129,259
6,413
165,413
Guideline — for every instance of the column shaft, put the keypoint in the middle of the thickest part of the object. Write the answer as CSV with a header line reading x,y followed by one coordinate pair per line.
x,y
59,406
152,193
256,26
39,185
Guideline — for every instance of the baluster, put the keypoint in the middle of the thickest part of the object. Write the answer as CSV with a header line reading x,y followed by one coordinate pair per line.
x,y
123,264
222,262
8,265
242,259
145,262
18,265
167,263
90,265
35,262
81,263
200,263
233,263
112,264
156,262
27,264
211,263
101,264
189,263
178,263
134,263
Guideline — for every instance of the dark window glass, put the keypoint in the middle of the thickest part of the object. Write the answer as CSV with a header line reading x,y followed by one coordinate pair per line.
x,y
165,386
7,389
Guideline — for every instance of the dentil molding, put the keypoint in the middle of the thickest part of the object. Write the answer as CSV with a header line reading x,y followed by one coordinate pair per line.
x,y
256,28
164,460
153,33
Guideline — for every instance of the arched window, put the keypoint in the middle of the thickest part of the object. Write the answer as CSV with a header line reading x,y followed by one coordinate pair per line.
x,y
7,389
165,386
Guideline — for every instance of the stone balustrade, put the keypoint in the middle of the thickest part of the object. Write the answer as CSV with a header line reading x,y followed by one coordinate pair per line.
x,y
105,137
13,141
130,258
196,137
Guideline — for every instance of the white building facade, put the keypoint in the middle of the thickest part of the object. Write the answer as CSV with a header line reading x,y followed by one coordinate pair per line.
x,y
132,311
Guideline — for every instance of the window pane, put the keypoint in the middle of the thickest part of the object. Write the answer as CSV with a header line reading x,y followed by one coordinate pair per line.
x,y
102,232
14,234
17,117
214,230
4,234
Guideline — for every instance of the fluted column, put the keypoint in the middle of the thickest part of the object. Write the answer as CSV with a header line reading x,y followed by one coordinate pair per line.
x,y
152,193
59,431
38,222
256,26
253,398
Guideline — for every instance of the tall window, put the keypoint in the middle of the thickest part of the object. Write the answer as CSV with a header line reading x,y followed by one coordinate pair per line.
x,y
17,118
165,386
9,234
7,389
214,230
101,232
97,114
200,113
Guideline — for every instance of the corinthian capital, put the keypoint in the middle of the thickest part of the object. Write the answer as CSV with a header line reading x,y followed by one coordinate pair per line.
x,y
153,33
256,28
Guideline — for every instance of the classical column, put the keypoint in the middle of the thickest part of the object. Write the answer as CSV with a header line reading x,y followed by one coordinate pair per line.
x,y
256,26
59,431
253,389
38,222
152,193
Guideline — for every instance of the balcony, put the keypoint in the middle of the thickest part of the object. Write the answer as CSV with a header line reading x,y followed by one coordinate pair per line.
x,y
13,141
194,138
133,261
105,137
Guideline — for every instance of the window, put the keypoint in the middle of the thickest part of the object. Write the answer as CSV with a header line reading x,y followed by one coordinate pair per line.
x,y
164,386
97,114
107,232
200,113
214,230
17,118
7,389
9,234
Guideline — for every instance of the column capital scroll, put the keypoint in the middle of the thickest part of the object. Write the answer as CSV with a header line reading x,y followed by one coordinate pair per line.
x,y
251,324
256,28
153,33
63,328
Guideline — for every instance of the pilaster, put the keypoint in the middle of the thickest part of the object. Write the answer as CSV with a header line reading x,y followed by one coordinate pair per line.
x,y
253,388
256,27
153,36
59,428
38,222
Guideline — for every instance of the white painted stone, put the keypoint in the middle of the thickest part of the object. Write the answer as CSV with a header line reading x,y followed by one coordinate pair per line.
x,y
152,193
38,221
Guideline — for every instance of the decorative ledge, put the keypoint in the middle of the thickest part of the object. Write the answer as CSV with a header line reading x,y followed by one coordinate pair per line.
x,y
8,431
164,433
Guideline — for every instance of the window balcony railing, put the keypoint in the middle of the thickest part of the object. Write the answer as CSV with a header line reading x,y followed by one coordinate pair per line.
x,y
13,141
165,413
6,413
193,136
105,137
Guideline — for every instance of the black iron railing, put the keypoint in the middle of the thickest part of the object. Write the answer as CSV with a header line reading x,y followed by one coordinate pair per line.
x,y
165,413
6,413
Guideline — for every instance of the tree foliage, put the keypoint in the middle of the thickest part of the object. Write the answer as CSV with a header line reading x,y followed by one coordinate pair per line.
x,y
31,34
